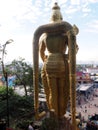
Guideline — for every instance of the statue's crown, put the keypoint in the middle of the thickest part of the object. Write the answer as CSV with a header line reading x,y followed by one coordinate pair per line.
x,y
56,15
55,6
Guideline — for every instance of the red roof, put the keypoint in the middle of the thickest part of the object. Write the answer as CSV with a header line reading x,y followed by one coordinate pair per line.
x,y
79,73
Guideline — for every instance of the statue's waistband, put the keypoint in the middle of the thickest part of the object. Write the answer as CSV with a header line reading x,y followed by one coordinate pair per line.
x,y
58,55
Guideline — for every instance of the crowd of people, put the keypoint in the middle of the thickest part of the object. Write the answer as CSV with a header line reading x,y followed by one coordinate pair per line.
x,y
87,106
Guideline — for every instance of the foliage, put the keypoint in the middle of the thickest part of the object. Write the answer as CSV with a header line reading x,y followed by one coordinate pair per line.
x,y
23,124
23,73
3,92
3,99
20,108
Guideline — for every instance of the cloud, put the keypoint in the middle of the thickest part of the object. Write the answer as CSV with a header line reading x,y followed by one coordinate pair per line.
x,y
93,1
71,10
21,47
13,14
61,2
92,26
86,10
80,2
75,2
19,18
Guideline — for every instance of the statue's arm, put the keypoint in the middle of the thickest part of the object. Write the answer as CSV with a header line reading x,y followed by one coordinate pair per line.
x,y
42,48
77,47
75,32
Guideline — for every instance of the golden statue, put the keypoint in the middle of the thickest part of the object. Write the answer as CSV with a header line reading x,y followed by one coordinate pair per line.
x,y
58,71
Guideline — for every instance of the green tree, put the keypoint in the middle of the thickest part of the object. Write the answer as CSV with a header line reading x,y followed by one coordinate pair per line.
x,y
20,107
23,73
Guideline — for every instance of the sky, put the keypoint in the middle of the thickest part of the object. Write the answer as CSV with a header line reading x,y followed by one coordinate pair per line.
x,y
20,18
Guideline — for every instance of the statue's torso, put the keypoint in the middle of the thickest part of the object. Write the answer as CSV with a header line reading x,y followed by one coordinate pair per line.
x,y
56,45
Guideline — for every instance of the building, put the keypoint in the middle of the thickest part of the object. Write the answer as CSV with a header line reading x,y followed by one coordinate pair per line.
x,y
85,89
83,77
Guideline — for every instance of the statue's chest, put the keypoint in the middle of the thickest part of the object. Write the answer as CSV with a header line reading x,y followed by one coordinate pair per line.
x,y
55,41
54,38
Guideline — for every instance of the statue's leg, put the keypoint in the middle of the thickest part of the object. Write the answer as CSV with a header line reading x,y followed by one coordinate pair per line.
x,y
53,98
63,96
59,95
63,89
46,87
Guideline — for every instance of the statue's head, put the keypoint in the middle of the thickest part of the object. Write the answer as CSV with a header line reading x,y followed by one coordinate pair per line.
x,y
56,15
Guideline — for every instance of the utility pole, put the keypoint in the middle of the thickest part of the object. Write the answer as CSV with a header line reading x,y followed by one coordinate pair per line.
x,y
6,78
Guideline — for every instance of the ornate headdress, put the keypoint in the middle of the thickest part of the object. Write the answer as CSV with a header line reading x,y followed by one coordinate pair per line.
x,y
56,14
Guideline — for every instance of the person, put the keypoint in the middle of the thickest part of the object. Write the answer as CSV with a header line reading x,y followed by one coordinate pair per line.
x,y
31,126
55,70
